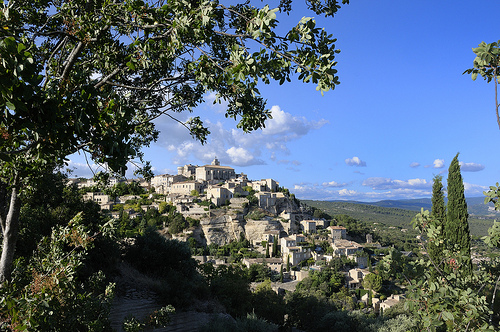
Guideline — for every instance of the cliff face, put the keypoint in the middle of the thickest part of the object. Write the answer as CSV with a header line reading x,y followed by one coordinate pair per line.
x,y
221,229
222,226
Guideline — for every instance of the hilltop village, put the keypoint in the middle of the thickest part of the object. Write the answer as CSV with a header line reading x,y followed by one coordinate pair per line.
x,y
221,206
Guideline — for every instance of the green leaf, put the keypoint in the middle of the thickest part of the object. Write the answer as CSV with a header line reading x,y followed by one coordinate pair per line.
x,y
131,65
10,105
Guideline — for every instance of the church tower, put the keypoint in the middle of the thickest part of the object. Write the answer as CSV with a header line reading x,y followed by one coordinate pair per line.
x,y
215,162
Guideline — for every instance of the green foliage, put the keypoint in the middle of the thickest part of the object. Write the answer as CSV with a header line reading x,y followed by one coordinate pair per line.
x,y
438,212
456,228
320,214
395,266
132,324
165,207
252,201
256,214
441,297
177,224
123,188
168,260
486,64
229,285
159,318
207,203
305,311
325,283
49,294
259,273
373,282
192,222
267,304
115,105
47,203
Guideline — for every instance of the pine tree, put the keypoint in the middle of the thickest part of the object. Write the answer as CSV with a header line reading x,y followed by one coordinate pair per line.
x,y
438,212
456,230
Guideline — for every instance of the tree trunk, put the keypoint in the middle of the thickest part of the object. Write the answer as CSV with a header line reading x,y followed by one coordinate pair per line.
x,y
9,219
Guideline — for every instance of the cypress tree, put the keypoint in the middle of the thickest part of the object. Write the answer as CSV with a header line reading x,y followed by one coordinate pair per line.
x,y
275,246
456,228
438,213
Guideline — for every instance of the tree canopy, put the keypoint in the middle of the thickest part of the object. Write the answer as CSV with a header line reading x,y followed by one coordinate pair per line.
x,y
93,75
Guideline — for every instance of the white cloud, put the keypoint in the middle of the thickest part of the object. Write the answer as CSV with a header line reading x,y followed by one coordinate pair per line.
x,y
316,192
347,192
414,165
438,163
233,146
474,189
471,167
333,184
286,125
355,161
379,183
239,156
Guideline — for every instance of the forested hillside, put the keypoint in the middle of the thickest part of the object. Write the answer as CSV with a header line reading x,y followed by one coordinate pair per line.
x,y
395,217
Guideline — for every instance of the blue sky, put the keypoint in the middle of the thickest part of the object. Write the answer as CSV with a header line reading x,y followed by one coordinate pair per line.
x,y
401,113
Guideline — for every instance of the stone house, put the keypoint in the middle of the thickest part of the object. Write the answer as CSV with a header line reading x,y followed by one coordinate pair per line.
x,y
338,232
345,247
308,226
389,302
355,277
163,183
104,201
265,185
274,264
290,250
218,195
186,187
270,235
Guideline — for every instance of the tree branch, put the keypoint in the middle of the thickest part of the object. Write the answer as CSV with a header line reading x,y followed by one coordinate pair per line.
x,y
71,60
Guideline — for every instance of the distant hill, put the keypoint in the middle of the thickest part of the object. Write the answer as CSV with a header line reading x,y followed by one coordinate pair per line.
x,y
399,213
406,204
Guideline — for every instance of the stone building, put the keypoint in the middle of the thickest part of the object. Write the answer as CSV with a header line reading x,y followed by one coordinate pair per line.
x,y
104,201
186,187
187,170
218,195
338,232
163,183
214,173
